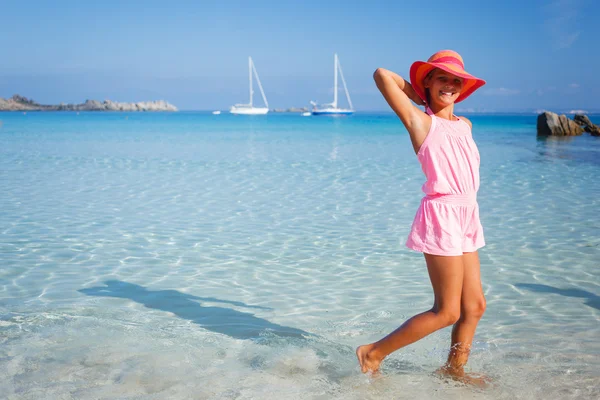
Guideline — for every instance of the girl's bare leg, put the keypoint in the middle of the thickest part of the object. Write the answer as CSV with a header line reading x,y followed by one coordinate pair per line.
x,y
472,308
446,275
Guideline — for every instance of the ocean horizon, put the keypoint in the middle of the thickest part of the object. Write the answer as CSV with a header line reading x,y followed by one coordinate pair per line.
x,y
593,113
190,255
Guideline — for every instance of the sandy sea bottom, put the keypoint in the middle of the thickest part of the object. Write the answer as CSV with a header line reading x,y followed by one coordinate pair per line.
x,y
188,257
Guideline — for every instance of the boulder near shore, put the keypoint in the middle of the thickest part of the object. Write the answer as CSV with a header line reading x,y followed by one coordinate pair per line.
x,y
552,124
20,103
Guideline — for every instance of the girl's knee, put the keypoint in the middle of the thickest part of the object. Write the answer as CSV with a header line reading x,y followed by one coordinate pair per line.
x,y
448,316
475,309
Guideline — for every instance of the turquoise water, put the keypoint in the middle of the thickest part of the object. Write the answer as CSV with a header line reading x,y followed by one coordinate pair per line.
x,y
189,255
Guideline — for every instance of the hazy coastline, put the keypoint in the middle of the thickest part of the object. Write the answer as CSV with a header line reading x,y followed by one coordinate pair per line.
x,y
21,103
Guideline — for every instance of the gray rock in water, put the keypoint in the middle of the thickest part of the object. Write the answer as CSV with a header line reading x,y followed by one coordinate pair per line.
x,y
587,125
582,119
552,124
593,130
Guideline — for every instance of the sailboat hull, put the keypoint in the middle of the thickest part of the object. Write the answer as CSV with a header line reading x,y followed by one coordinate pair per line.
x,y
249,110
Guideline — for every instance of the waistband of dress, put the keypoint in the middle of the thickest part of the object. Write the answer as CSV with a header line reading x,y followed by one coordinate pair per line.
x,y
458,199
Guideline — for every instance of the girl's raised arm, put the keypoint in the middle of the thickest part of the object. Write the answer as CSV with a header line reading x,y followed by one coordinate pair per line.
x,y
398,93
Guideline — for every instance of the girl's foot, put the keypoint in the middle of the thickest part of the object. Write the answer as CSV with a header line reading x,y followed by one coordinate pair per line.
x,y
459,375
367,359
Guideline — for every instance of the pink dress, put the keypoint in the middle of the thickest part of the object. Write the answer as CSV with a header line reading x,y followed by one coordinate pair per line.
x,y
447,221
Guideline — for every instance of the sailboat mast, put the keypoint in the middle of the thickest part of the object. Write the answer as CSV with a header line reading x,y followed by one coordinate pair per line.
x,y
345,87
250,78
335,79
262,92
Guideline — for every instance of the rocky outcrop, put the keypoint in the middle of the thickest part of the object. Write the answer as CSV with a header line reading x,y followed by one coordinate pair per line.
x,y
551,124
290,110
587,125
20,103
297,109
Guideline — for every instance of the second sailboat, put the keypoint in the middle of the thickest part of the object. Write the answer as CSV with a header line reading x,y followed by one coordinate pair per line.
x,y
249,109
332,108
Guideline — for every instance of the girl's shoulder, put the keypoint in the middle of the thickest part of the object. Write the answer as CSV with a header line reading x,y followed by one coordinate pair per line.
x,y
467,121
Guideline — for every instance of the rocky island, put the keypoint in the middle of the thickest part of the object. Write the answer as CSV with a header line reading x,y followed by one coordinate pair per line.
x,y
552,124
20,103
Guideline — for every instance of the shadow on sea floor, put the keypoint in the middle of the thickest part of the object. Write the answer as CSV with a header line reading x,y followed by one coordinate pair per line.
x,y
223,320
592,300
336,360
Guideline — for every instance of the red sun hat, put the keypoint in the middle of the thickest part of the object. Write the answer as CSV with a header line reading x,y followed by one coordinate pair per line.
x,y
449,61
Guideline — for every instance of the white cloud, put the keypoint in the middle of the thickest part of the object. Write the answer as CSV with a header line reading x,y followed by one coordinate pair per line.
x,y
502,91
572,88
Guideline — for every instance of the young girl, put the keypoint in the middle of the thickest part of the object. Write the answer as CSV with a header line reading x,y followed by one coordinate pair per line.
x,y
447,227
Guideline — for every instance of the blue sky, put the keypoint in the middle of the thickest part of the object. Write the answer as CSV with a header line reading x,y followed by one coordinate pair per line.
x,y
534,54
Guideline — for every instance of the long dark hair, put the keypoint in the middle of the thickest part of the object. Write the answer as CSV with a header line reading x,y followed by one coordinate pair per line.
x,y
427,94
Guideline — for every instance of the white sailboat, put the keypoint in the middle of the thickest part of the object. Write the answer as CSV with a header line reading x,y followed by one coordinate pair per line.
x,y
332,108
249,109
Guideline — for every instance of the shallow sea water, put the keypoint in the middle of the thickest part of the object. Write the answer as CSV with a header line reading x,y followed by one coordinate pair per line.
x,y
218,257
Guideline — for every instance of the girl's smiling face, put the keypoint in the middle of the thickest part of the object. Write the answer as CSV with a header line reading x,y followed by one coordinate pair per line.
x,y
444,87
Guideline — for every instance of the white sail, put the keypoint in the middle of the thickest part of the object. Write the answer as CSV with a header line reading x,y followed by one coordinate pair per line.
x,y
332,108
249,109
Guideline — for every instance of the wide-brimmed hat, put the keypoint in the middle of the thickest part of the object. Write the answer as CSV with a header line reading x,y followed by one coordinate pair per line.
x,y
449,61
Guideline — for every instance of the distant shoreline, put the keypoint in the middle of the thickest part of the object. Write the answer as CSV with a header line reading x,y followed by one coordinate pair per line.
x,y
21,103
18,103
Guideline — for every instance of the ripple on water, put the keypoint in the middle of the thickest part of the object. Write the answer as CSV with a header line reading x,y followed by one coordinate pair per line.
x,y
254,260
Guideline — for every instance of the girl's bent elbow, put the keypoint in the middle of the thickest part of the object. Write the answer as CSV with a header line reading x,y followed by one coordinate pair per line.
x,y
379,72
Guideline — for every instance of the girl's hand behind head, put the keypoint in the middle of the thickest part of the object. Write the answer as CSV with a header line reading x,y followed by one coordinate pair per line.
x,y
416,99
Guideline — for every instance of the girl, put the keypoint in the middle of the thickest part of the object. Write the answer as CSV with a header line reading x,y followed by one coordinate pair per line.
x,y
447,227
